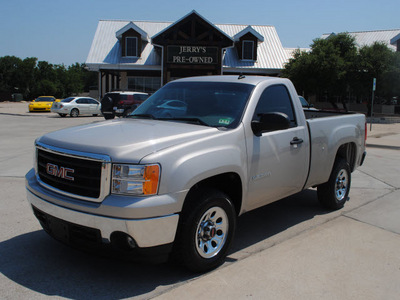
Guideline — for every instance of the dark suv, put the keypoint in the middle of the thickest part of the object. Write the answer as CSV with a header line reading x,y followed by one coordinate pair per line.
x,y
121,103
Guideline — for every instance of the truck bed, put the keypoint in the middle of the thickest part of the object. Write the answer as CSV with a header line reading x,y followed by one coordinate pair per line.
x,y
327,130
313,114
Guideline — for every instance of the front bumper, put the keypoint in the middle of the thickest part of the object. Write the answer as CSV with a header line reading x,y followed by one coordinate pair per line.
x,y
146,232
31,109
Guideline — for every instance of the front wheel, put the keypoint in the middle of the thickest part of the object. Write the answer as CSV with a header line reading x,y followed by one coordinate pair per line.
x,y
206,230
334,193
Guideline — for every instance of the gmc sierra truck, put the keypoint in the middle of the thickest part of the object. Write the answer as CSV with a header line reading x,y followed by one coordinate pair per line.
x,y
174,175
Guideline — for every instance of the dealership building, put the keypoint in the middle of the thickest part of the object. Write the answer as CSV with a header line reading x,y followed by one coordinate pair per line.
x,y
143,56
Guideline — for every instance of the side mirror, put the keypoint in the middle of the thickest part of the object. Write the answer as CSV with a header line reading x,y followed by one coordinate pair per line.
x,y
270,122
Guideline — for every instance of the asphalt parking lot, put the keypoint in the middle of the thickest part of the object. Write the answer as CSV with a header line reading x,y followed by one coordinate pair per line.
x,y
291,249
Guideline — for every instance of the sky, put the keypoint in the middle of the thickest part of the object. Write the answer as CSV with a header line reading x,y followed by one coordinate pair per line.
x,y
61,32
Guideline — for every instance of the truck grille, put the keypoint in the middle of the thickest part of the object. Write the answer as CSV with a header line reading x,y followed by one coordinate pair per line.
x,y
82,177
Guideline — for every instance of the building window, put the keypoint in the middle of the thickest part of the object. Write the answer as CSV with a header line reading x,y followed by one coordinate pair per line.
x,y
131,46
144,84
248,50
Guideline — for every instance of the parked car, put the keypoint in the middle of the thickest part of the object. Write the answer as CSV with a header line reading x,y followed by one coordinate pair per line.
x,y
121,103
75,106
42,103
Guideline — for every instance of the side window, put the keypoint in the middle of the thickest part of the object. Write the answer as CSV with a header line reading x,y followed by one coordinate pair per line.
x,y
80,101
91,101
275,99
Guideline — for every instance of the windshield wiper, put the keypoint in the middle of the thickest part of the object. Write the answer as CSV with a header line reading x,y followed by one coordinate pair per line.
x,y
192,120
146,116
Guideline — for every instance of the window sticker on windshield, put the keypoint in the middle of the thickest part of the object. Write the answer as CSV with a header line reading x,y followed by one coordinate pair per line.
x,y
224,121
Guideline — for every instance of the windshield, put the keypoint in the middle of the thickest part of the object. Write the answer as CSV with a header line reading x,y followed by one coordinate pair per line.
x,y
45,99
216,104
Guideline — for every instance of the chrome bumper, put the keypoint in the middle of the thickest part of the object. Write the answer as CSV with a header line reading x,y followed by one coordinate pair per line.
x,y
148,232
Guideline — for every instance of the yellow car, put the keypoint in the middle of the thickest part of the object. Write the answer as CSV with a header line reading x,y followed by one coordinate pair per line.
x,y
42,103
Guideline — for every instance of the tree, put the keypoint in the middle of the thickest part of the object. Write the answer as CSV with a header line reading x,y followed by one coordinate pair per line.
x,y
334,69
33,78
327,69
378,61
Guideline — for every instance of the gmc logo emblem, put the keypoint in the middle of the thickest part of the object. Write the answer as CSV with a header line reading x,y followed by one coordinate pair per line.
x,y
61,172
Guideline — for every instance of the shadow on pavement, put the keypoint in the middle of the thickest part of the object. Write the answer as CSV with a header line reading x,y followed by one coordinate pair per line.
x,y
37,262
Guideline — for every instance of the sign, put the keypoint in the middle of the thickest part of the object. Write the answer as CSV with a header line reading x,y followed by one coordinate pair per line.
x,y
374,85
192,55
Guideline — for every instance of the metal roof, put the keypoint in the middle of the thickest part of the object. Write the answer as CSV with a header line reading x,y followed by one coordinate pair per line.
x,y
367,38
105,51
248,29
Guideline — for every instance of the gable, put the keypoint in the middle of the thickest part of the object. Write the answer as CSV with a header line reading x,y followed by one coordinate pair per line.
x,y
192,29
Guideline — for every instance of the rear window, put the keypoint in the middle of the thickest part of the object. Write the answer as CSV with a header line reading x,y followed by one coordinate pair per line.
x,y
67,100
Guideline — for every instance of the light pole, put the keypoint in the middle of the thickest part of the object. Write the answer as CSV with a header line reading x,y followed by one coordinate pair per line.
x,y
372,103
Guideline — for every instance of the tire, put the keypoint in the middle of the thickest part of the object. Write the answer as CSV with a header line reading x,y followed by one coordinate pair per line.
x,y
334,193
127,112
63,115
74,113
206,230
109,116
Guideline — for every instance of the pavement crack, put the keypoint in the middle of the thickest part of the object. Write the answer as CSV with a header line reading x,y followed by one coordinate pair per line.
x,y
370,224
376,178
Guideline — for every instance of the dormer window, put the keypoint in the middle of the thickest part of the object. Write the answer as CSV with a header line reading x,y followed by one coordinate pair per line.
x,y
132,40
246,43
131,44
248,50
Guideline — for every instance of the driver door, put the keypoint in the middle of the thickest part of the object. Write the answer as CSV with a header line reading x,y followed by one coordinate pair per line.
x,y
278,160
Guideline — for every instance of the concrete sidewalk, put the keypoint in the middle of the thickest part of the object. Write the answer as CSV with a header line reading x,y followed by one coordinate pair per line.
x,y
354,255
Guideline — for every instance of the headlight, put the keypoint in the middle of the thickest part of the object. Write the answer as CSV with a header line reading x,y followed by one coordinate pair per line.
x,y
135,179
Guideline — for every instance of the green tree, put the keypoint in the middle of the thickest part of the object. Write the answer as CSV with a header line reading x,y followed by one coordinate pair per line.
x,y
378,61
327,69
334,68
8,74
26,73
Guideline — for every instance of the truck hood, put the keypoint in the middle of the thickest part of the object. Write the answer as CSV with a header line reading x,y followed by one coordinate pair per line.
x,y
126,140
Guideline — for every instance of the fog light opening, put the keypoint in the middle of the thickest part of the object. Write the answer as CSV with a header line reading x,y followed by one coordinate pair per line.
x,y
122,241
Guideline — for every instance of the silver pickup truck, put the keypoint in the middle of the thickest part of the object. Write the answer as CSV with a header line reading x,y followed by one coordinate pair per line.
x,y
174,175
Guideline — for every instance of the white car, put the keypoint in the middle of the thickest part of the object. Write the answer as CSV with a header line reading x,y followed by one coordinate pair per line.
x,y
75,106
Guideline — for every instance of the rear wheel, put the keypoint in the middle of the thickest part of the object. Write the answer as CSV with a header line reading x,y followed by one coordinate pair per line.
x,y
334,193
109,116
74,113
206,230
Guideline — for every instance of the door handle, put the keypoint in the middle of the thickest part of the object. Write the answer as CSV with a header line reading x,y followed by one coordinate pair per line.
x,y
296,141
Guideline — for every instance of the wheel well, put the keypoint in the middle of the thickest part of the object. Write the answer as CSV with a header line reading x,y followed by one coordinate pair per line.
x,y
228,183
348,152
